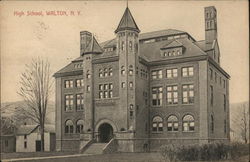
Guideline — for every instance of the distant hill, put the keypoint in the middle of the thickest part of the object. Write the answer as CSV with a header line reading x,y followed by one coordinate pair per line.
x,y
8,110
236,114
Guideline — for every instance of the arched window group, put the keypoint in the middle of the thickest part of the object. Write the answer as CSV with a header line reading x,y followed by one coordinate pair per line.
x,y
157,124
106,72
69,126
188,123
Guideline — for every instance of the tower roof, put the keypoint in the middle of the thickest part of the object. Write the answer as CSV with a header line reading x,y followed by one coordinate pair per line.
x,y
127,22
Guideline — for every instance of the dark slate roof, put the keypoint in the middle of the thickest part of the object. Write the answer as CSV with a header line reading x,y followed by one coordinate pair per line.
x,y
149,51
147,35
92,47
174,43
127,22
202,45
27,129
159,33
152,50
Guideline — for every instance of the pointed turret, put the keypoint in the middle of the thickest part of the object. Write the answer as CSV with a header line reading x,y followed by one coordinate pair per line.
x,y
127,22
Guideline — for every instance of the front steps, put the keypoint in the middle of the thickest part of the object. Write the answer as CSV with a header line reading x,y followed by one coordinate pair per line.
x,y
95,148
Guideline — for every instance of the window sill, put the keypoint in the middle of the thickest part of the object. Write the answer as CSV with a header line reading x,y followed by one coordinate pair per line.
x,y
157,132
156,106
69,111
172,104
187,104
173,131
188,131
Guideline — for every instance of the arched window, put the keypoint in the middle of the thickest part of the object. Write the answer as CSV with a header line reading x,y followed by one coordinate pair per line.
x,y
173,123
105,72
110,71
130,45
88,74
100,73
69,128
123,70
130,70
188,123
157,124
212,123
123,46
131,106
79,126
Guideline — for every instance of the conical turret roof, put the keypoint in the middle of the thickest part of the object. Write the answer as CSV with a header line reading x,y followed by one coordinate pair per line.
x,y
127,22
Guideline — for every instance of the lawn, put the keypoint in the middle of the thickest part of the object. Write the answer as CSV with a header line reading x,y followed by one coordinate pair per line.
x,y
122,157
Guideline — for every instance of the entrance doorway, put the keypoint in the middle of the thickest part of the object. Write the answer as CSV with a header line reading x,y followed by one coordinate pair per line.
x,y
105,133
38,145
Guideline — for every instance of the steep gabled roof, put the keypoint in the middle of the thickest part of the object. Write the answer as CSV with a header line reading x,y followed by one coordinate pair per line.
x,y
27,129
92,47
127,22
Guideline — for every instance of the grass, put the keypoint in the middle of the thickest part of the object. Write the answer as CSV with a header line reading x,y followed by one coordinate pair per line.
x,y
122,157
15,155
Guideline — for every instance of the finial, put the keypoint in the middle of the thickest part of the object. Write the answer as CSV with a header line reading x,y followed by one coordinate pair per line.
x,y
127,3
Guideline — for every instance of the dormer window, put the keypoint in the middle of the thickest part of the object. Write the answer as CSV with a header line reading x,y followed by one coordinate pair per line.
x,y
172,52
109,49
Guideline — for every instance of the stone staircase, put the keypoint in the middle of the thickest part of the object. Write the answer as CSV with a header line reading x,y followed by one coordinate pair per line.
x,y
95,148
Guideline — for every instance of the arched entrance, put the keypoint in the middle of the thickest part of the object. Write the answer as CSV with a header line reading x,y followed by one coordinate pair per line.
x,y
105,132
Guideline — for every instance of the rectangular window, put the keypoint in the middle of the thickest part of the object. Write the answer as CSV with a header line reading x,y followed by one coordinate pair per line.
x,y
172,94
25,144
157,96
225,126
187,93
224,84
68,84
215,77
131,84
88,88
123,84
79,102
156,74
79,83
225,102
211,95
25,136
69,102
211,74
187,71
6,143
172,73
131,114
105,91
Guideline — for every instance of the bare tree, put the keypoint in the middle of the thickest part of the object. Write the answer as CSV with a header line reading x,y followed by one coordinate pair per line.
x,y
36,84
245,123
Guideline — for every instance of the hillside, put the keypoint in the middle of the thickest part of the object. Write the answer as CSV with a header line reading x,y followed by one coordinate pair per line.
x,y
9,109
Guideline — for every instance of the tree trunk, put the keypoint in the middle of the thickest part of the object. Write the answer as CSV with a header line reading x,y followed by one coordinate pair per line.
x,y
42,137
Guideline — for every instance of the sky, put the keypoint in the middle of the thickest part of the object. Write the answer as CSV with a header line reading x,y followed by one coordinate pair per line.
x,y
57,38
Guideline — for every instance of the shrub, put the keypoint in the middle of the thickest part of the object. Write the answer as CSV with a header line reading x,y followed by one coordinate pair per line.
x,y
211,151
